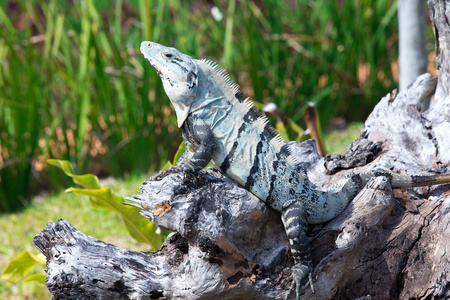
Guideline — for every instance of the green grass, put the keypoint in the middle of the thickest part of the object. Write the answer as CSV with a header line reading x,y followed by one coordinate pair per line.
x,y
339,140
18,229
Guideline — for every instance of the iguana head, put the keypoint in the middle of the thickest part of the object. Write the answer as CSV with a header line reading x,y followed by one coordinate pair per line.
x,y
178,73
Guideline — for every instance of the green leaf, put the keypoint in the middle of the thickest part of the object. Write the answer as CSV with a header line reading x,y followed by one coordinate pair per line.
x,y
6,21
87,181
139,227
36,277
296,128
59,29
180,151
167,165
19,265
282,131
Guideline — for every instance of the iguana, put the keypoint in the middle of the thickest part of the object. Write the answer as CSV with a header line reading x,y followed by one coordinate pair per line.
x,y
220,125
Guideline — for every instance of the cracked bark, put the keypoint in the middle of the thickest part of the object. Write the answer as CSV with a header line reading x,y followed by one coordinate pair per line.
x,y
229,245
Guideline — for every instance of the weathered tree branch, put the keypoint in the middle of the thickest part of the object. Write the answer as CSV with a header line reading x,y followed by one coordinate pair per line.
x,y
229,245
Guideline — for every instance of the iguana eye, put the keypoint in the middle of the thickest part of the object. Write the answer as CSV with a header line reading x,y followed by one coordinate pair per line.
x,y
168,55
190,77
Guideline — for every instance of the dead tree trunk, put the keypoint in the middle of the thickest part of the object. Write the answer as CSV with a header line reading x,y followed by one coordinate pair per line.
x,y
229,245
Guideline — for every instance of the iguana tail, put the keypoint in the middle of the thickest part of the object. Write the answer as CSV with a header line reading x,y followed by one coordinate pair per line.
x,y
337,197
351,185
402,181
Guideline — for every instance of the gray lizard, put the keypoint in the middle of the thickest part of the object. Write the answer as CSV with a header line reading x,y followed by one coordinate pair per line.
x,y
220,125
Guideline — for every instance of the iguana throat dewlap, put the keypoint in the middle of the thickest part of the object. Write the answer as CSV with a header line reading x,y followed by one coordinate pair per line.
x,y
222,126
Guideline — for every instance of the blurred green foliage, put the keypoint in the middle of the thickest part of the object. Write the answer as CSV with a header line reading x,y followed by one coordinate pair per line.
x,y
103,197
74,86
99,196
20,227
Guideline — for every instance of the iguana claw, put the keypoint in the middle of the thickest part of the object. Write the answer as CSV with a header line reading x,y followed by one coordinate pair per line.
x,y
186,168
218,128
298,273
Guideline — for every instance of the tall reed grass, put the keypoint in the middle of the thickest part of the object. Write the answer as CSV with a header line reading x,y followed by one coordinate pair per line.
x,y
74,86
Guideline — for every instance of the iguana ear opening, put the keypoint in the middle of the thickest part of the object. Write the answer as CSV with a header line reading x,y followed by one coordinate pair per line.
x,y
191,79
182,111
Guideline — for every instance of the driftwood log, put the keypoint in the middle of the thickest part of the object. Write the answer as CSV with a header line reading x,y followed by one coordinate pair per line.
x,y
227,244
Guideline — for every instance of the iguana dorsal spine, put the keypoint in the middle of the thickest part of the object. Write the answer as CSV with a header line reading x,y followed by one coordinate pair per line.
x,y
220,125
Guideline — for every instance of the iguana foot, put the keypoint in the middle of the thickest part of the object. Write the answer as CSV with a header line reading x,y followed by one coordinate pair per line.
x,y
299,272
186,168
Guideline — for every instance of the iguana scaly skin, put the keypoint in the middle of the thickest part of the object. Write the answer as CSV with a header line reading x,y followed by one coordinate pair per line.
x,y
220,125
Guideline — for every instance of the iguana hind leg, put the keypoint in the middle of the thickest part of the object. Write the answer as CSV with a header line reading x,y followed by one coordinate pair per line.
x,y
294,220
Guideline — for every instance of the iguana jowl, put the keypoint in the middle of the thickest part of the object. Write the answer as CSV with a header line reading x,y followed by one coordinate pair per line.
x,y
219,124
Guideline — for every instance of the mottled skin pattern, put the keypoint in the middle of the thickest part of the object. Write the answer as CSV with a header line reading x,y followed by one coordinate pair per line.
x,y
220,125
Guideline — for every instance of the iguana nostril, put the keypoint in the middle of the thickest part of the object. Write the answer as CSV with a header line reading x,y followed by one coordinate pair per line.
x,y
219,124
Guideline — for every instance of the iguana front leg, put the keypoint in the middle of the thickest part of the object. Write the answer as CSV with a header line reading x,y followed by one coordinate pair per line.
x,y
294,220
183,164
200,147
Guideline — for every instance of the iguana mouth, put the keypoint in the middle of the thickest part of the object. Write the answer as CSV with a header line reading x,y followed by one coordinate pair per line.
x,y
220,125
145,49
